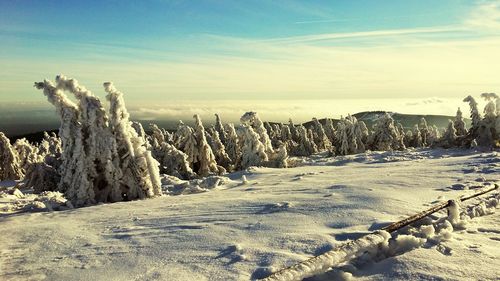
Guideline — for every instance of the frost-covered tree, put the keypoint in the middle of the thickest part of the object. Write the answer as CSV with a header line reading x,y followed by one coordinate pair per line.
x,y
157,134
139,129
219,150
220,129
488,131
103,159
362,132
28,153
50,147
385,136
424,131
232,144
434,135
407,138
330,130
173,161
356,132
42,177
268,128
253,152
42,174
416,140
139,173
286,134
293,130
205,164
185,141
459,124
320,138
342,138
252,119
10,164
305,145
350,136
281,157
474,114
73,169
449,138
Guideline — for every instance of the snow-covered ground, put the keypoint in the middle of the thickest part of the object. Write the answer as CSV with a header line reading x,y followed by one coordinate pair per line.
x,y
242,231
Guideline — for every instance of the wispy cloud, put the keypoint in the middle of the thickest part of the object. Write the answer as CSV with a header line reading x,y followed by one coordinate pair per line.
x,y
365,34
485,17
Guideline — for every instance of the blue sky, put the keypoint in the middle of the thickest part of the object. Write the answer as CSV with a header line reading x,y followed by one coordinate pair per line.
x,y
161,51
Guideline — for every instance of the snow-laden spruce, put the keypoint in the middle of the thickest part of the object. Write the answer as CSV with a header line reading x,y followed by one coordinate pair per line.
x,y
103,159
320,138
10,164
459,124
253,151
139,170
386,136
219,149
252,119
305,145
28,154
232,145
205,164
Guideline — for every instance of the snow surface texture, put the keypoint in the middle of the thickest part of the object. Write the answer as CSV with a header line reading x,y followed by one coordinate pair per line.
x,y
263,219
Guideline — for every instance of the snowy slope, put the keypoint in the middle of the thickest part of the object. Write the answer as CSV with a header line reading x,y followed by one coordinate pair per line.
x,y
281,216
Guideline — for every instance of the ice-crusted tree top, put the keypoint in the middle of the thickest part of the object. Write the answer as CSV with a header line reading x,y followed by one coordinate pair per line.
x,y
474,112
489,96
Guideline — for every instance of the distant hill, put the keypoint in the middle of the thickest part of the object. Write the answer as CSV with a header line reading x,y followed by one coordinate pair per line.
x,y
407,120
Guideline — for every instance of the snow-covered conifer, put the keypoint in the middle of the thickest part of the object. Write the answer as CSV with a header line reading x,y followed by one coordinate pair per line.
x,y
362,131
305,145
232,144
459,124
488,131
474,114
424,131
408,138
187,143
252,119
253,152
139,173
28,153
330,130
205,164
293,130
220,129
173,161
219,150
286,134
103,158
73,170
416,137
10,164
320,138
342,138
449,138
281,157
42,177
385,136
157,134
